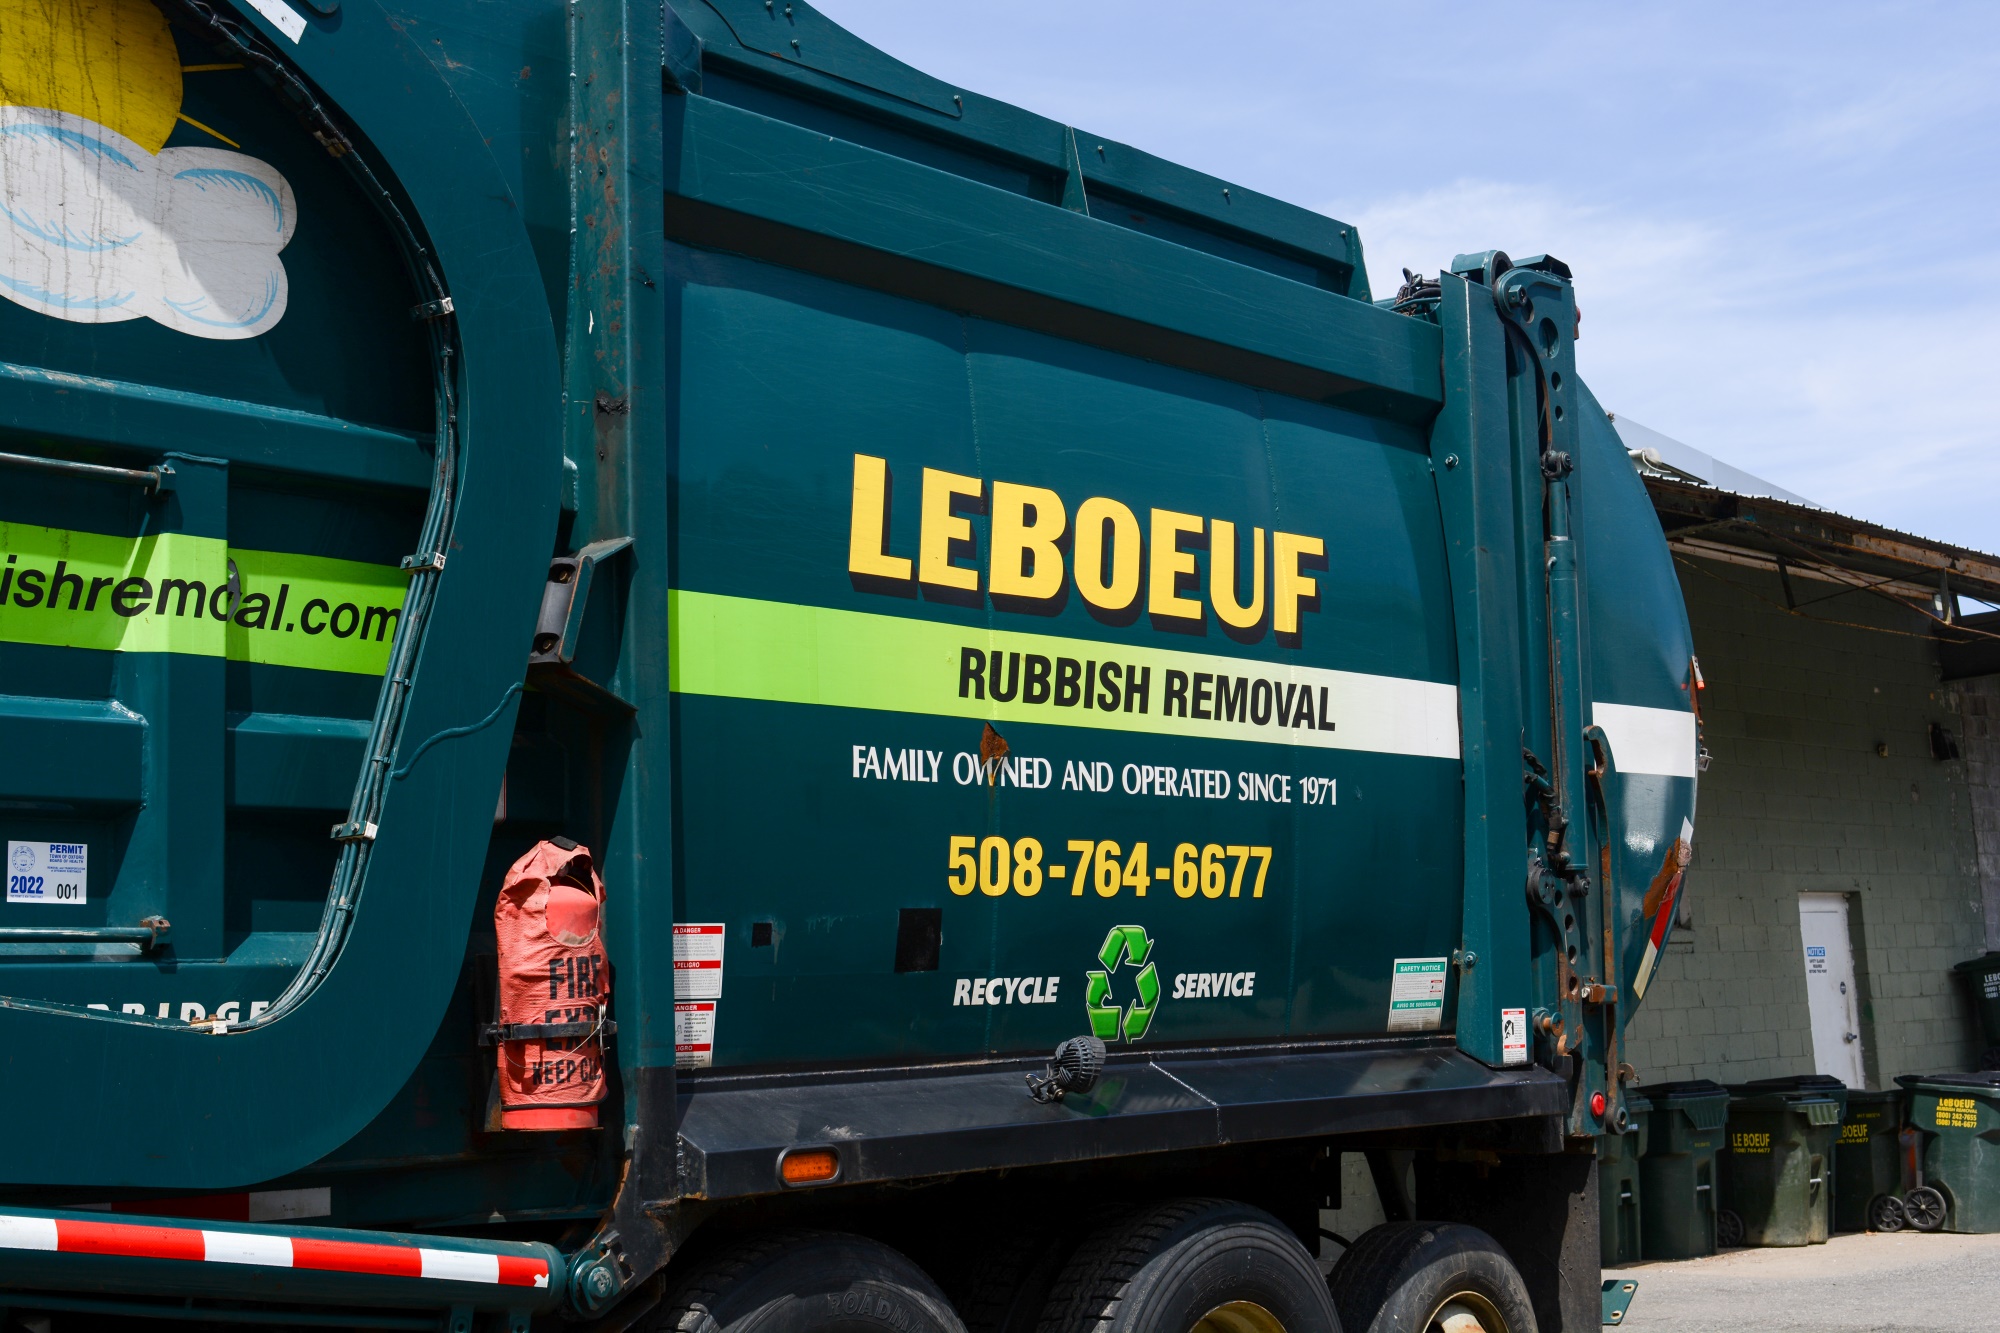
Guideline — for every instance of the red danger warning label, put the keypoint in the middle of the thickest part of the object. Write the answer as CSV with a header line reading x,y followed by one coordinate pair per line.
x,y
1513,1036
694,1034
698,962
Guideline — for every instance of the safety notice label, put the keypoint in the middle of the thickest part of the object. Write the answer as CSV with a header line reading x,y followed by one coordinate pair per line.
x,y
694,1034
698,962
1513,1036
1416,994
48,872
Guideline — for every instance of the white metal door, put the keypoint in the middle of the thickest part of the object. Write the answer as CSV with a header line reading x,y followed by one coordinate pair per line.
x,y
1830,988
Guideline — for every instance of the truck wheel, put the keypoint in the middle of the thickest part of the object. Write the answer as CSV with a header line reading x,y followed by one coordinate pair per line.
x,y
1191,1266
807,1282
1011,1282
1430,1277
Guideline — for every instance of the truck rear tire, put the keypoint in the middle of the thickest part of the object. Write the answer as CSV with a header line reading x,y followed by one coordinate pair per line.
x,y
807,1282
1191,1266
1430,1277
1010,1283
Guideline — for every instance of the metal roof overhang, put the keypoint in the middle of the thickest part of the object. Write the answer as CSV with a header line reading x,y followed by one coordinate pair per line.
x,y
1801,541
1819,541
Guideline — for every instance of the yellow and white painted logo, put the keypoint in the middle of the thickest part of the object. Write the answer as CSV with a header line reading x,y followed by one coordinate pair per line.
x,y
101,222
1957,1113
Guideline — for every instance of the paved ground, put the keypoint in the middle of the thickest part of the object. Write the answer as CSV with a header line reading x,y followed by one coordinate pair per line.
x,y
1907,1283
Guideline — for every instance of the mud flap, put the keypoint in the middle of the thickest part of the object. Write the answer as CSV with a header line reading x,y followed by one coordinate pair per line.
x,y
1543,1211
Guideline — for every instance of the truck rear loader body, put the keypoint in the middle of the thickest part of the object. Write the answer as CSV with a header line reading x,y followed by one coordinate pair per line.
x,y
967,586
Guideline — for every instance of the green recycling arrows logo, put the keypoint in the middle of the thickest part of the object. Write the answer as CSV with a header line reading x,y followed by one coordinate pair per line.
x,y
1125,944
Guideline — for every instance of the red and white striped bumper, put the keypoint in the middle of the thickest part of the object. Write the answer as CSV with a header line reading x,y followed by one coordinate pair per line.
x,y
482,1273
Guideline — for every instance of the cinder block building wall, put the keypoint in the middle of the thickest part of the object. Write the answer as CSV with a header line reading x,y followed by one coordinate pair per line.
x,y
1822,781
1978,701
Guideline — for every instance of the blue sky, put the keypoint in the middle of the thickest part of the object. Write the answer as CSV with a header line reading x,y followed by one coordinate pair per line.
x,y
1784,218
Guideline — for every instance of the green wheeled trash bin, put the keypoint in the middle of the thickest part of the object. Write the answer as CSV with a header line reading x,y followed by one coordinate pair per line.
x,y
1868,1164
1677,1171
1618,1188
1983,975
1777,1176
1959,1118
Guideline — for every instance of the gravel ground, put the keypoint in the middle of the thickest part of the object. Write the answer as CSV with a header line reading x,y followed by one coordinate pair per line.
x,y
1906,1282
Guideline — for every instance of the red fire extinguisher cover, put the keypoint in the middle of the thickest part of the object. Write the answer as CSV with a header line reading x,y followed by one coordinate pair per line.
x,y
549,924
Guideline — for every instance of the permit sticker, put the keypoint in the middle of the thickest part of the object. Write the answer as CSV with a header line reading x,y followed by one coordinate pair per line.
x,y
1513,1036
698,962
48,872
1416,994
694,1034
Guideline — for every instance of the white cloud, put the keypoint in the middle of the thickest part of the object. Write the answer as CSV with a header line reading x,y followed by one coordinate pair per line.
x,y
95,229
1749,345
1877,118
1624,257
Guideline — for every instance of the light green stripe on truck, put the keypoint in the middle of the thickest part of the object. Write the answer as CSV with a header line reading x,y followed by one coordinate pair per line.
x,y
744,648
169,593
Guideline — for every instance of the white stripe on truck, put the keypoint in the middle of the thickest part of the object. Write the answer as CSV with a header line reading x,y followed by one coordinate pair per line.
x,y
1648,740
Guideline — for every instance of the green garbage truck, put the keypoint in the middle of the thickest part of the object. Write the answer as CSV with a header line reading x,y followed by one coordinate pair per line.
x,y
1020,710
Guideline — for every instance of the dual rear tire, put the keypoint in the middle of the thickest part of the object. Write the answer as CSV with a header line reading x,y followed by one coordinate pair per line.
x,y
1191,1266
1186,1266
807,1282
1430,1277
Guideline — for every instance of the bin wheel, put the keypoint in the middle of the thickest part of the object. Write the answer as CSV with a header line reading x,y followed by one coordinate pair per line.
x,y
1191,1266
1925,1208
805,1282
1429,1277
1728,1228
1885,1213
